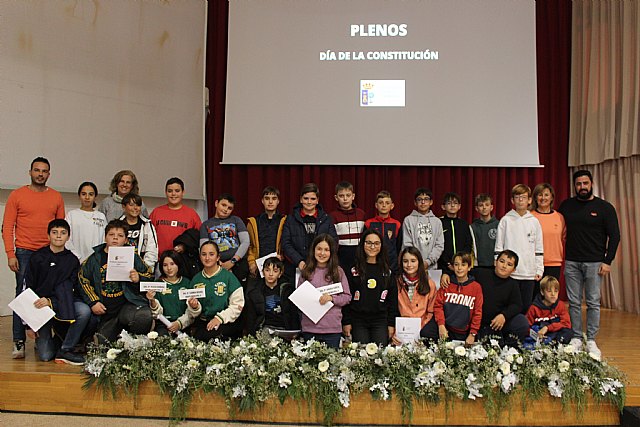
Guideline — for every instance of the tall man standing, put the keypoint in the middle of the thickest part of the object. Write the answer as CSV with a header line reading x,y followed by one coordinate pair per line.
x,y
593,236
24,230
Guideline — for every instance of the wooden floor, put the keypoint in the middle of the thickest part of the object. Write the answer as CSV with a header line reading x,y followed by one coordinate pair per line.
x,y
32,386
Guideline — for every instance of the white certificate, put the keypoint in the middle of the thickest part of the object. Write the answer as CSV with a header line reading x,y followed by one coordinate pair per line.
x,y
153,286
34,317
307,299
260,262
408,329
119,263
332,289
435,275
189,293
164,320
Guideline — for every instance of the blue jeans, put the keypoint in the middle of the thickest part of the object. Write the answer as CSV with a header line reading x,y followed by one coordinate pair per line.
x,y
583,278
48,345
331,340
23,256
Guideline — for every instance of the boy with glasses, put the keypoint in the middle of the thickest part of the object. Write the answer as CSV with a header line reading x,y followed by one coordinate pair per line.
x,y
456,231
423,229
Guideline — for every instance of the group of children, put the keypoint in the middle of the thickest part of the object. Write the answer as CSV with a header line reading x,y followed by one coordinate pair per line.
x,y
382,265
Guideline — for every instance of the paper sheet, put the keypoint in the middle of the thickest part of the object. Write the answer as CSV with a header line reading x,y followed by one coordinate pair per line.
x,y
34,317
307,299
119,263
408,329
260,262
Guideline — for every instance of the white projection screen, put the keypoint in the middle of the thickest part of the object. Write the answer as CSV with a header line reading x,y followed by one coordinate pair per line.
x,y
100,86
413,82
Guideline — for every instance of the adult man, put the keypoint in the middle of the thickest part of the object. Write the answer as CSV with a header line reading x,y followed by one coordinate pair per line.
x,y
593,235
24,230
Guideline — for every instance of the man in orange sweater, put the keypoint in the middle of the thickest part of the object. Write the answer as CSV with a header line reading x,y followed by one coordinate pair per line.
x,y
28,211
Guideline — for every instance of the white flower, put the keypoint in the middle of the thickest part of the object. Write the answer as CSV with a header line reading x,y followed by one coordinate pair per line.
x,y
284,380
494,342
505,367
246,360
173,342
323,366
538,372
460,350
569,349
113,353
192,364
509,358
363,353
352,352
450,345
563,366
353,345
439,367
371,348
508,381
519,360
152,335
378,361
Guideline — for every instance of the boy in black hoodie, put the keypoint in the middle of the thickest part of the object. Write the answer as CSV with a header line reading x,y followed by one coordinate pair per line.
x,y
456,231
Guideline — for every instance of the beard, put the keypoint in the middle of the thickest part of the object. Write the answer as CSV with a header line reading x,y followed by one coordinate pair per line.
x,y
585,195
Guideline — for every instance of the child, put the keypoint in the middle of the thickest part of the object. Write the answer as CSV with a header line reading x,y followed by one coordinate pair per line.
x,y
322,269
415,294
458,308
87,224
521,232
370,317
349,222
230,235
306,221
52,275
141,234
423,230
179,312
223,301
549,314
174,218
484,230
188,247
267,299
118,305
265,230
456,231
390,229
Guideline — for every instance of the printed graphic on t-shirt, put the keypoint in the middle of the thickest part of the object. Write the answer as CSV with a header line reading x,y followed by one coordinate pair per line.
x,y
225,235
310,227
272,304
133,235
425,232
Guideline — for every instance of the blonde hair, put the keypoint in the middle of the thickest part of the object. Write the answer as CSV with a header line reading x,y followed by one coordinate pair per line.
x,y
549,282
520,189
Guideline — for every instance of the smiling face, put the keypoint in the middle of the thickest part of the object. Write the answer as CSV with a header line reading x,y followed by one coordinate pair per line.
x,y
372,245
174,195
505,266
87,198
322,253
410,265
125,185
39,174
131,209
461,269
209,256
423,204
169,268
544,200
223,209
309,201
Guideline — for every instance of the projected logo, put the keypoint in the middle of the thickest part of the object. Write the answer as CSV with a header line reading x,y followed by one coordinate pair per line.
x,y
382,93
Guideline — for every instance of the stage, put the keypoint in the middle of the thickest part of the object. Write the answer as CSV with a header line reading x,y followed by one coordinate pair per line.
x,y
32,386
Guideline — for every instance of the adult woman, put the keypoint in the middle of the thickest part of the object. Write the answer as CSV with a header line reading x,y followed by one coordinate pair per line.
x,y
123,183
370,317
553,228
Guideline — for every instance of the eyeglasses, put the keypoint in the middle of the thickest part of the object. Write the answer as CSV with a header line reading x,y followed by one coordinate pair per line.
x,y
521,197
372,244
423,199
452,203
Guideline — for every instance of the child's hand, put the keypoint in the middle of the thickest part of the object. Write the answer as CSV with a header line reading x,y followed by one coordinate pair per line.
x,y
470,339
213,324
542,332
325,299
346,330
174,326
498,322
134,276
227,265
253,269
442,331
395,340
41,303
31,334
444,281
151,295
193,303
302,265
98,309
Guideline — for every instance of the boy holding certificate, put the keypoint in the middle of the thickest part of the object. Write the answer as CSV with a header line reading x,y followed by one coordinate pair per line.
x,y
118,305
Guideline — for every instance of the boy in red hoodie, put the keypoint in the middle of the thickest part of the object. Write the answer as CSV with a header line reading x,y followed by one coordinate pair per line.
x,y
550,314
458,308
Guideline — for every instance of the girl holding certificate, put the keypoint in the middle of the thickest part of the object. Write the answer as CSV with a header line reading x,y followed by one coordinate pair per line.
x,y
322,268
181,313
416,293
224,298
370,317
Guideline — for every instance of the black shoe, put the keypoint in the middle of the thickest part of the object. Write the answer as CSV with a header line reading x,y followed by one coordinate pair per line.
x,y
69,358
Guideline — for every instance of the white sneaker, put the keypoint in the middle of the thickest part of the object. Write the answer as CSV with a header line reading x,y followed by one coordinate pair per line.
x,y
592,349
18,350
576,343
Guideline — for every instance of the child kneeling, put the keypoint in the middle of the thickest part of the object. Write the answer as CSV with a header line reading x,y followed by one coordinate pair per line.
x,y
549,314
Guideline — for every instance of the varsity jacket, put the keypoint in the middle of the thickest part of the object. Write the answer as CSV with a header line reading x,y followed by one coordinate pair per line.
x,y
554,317
391,231
147,246
224,297
484,241
172,307
459,306
254,237
523,235
457,238
425,233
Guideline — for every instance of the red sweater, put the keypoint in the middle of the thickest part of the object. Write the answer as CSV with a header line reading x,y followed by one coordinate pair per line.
x,y
554,317
459,307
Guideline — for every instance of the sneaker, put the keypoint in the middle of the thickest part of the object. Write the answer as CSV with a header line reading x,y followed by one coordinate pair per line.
x,y
576,343
18,350
593,350
70,358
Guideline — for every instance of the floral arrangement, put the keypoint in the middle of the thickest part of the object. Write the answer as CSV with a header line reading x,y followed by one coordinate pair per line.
x,y
253,370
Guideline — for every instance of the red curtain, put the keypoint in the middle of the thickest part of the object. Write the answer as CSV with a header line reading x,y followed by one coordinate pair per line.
x,y
553,35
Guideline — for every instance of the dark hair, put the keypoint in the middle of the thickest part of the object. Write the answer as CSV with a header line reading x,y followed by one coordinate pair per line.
x,y
39,160
510,254
174,180
132,198
465,257
88,184
483,197
59,223
423,287
113,186
274,262
423,190
270,190
116,223
382,258
344,185
451,196
582,172
309,188
333,266
226,196
176,257
210,242
539,189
